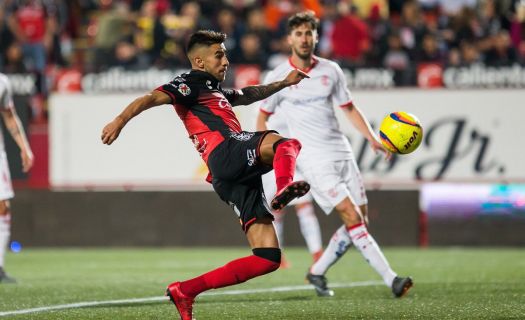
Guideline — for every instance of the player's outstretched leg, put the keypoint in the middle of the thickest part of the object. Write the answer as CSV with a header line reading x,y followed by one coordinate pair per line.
x,y
337,247
285,154
263,261
368,247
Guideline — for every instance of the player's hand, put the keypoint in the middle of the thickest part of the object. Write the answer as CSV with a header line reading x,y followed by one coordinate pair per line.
x,y
294,77
377,146
27,159
111,131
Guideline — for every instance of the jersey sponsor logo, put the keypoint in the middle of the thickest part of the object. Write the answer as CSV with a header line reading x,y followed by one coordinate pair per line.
x,y
223,102
251,155
242,136
184,89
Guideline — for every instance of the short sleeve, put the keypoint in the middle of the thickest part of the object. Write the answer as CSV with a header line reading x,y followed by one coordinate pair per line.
x,y
269,104
179,90
6,94
341,94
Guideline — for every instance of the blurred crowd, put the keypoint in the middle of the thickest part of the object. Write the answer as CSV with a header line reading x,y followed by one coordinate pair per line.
x,y
94,35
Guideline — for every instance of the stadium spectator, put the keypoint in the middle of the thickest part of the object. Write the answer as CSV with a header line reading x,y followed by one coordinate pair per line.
x,y
114,25
14,126
327,159
469,53
430,50
150,35
250,51
350,37
223,146
501,53
229,24
397,59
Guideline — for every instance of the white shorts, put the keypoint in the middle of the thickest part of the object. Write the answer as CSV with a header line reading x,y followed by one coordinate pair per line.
x,y
6,188
332,182
270,188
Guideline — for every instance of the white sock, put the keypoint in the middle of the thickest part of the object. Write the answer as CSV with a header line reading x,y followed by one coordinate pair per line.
x,y
368,247
337,247
5,232
310,227
278,223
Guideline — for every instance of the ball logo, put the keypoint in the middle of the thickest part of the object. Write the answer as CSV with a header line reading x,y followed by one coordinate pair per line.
x,y
411,140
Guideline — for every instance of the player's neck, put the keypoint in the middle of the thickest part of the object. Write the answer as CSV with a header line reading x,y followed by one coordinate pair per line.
x,y
302,64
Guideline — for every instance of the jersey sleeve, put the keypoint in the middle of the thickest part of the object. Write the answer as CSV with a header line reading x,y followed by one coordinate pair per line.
x,y
180,90
341,94
6,94
269,104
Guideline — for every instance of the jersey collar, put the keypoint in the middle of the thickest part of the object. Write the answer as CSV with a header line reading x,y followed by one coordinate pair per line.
x,y
314,62
207,77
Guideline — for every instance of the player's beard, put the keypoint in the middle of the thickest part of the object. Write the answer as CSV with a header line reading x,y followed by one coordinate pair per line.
x,y
303,56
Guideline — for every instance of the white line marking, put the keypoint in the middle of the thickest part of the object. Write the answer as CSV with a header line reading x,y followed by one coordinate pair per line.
x,y
162,299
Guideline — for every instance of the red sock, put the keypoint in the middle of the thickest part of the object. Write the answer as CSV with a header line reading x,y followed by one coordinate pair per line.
x,y
234,272
284,161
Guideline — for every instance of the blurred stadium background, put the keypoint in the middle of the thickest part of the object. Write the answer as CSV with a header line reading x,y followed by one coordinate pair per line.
x,y
456,64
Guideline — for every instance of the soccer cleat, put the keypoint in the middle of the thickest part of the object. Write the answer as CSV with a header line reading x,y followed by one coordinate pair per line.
x,y
4,278
294,189
319,283
183,303
400,286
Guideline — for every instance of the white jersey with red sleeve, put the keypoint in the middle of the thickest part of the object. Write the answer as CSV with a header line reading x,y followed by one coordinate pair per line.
x,y
6,102
308,108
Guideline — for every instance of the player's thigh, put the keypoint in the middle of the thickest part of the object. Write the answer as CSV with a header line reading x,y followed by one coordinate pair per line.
x,y
269,185
246,199
4,207
349,212
327,185
266,147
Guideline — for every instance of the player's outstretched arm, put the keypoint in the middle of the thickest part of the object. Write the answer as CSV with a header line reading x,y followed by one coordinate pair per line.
x,y
362,125
112,130
15,128
252,94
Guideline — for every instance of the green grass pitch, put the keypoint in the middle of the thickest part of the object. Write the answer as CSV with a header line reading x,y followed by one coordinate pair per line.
x,y
450,283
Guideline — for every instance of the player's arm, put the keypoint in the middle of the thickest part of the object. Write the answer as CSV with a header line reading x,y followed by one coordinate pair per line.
x,y
356,117
252,94
15,128
262,118
112,130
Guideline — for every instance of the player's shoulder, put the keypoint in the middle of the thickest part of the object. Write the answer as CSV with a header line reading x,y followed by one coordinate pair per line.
x,y
279,71
328,64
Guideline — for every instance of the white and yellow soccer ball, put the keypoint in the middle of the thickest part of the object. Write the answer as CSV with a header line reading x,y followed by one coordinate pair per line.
x,y
401,132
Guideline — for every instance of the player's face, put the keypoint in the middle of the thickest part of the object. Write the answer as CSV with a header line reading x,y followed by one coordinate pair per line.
x,y
302,39
215,61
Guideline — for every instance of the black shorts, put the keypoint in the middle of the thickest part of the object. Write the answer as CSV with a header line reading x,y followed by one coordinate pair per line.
x,y
236,172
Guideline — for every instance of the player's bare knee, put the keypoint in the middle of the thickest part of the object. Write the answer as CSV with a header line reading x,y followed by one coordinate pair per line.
x,y
4,207
349,212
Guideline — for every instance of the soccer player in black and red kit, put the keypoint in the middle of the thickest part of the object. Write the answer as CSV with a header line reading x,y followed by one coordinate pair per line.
x,y
236,159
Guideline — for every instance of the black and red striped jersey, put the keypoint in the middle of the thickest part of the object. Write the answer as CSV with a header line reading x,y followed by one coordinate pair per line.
x,y
204,108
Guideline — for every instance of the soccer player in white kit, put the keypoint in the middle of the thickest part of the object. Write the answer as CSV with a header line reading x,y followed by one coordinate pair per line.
x,y
16,130
304,207
327,161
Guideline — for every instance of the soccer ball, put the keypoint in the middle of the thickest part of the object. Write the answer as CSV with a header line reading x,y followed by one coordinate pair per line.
x,y
400,132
